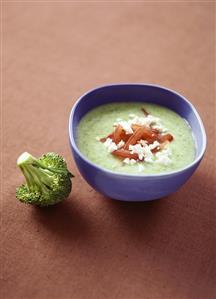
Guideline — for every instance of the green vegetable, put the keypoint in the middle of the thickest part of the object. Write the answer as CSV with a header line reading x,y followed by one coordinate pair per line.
x,y
48,180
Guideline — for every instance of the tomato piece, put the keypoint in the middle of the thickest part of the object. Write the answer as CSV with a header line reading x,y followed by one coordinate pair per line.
x,y
118,134
166,137
135,127
125,137
149,135
122,153
137,135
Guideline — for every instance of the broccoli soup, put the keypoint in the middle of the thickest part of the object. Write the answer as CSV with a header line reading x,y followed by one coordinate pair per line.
x,y
136,138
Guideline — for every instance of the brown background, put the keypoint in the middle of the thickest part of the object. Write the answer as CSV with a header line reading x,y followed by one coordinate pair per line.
x,y
91,246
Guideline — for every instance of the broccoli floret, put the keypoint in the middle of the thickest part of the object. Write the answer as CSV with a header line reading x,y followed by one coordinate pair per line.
x,y
48,180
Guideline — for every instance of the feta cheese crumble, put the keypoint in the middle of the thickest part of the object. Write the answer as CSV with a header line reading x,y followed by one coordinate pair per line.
x,y
129,161
121,144
110,145
154,145
144,152
146,121
126,126
131,115
164,157
160,128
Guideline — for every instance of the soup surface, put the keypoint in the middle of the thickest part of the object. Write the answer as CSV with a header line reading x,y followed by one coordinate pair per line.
x,y
163,154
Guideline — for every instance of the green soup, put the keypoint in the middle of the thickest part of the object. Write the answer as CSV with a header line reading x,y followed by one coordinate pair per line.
x,y
98,123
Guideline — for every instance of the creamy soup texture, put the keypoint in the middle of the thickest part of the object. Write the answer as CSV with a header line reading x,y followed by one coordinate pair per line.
x,y
100,122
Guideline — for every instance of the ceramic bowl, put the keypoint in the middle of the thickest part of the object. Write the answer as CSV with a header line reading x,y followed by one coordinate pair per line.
x,y
130,187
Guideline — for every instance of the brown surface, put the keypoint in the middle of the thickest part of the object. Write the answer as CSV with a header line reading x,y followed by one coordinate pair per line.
x,y
90,246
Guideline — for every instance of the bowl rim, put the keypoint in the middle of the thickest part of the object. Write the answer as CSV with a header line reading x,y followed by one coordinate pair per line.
x,y
138,176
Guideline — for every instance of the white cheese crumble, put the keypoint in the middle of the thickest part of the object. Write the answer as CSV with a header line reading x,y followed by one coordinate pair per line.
x,y
144,152
144,121
108,142
143,142
137,149
121,144
154,145
126,126
132,115
164,157
129,161
160,128
147,121
110,145
126,161
148,154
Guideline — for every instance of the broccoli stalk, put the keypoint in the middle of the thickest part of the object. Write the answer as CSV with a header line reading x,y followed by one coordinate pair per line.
x,y
48,180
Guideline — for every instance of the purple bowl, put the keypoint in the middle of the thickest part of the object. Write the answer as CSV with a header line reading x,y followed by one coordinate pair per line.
x,y
131,187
